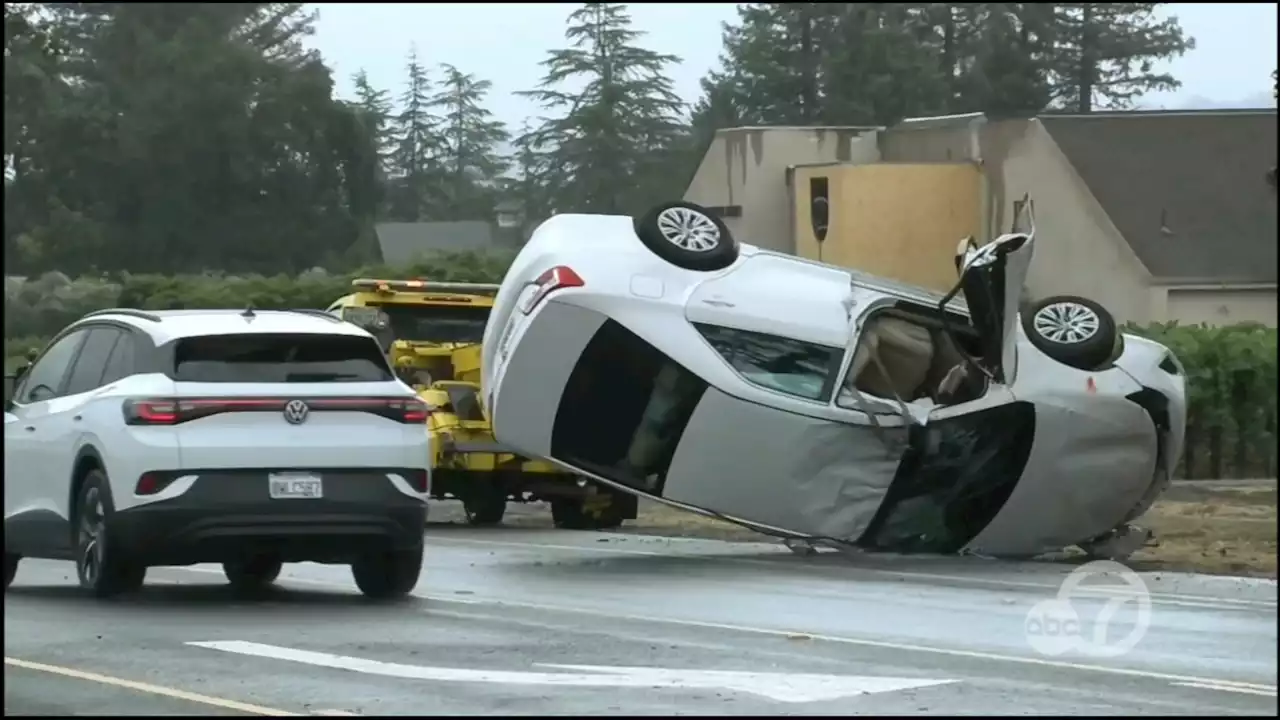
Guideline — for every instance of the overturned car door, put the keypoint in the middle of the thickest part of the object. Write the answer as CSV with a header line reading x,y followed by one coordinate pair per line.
x,y
992,277
969,442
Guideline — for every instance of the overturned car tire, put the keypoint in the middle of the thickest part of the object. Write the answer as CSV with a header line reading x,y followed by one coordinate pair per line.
x,y
1075,331
688,236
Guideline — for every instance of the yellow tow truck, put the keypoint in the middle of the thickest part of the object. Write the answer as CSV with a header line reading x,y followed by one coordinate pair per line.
x,y
431,332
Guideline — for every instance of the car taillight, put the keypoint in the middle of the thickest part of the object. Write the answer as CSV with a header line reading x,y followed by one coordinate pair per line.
x,y
548,282
151,412
412,412
174,411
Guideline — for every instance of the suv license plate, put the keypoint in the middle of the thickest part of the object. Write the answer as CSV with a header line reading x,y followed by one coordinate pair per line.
x,y
290,486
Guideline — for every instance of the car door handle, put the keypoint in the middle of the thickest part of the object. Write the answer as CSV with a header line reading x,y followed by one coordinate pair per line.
x,y
30,428
76,418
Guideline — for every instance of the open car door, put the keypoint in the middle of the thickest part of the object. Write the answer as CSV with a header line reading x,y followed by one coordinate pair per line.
x,y
992,277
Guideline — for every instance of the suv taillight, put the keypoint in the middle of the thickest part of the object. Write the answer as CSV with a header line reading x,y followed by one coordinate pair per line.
x,y
174,411
411,411
548,282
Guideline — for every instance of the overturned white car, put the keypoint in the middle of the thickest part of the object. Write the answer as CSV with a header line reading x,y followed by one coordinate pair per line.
x,y
660,357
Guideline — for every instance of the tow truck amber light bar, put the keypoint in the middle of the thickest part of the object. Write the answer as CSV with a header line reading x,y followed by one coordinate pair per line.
x,y
424,286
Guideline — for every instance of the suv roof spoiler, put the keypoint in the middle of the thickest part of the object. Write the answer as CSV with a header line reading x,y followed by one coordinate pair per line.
x,y
127,312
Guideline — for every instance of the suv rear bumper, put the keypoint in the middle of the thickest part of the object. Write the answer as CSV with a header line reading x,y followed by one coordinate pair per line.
x,y
225,515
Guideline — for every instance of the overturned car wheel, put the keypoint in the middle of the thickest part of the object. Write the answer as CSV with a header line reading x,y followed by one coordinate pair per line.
x,y
688,236
1075,331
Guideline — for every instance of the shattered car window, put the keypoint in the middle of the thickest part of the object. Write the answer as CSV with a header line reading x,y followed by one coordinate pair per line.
x,y
955,479
624,409
783,364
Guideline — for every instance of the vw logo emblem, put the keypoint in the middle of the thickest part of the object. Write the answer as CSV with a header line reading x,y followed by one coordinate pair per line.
x,y
295,412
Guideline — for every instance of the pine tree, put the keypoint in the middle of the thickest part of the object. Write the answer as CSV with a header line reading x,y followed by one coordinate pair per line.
x,y
376,112
717,109
469,163
530,182
773,61
415,191
882,65
610,138
1105,53
1008,48
833,63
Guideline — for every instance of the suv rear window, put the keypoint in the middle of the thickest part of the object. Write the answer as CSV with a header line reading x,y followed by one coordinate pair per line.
x,y
279,358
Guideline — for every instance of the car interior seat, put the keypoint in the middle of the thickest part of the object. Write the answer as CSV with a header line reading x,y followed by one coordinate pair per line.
x,y
905,351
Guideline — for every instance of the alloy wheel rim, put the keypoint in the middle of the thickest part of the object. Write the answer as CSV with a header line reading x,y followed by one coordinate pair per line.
x,y
688,229
1066,322
90,530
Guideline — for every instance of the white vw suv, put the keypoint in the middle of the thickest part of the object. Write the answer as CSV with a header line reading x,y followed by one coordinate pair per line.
x,y
244,438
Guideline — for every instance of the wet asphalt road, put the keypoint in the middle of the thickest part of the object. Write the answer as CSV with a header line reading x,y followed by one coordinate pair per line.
x,y
500,613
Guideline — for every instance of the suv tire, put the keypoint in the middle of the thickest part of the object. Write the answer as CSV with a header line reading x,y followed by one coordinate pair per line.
x,y
102,567
389,574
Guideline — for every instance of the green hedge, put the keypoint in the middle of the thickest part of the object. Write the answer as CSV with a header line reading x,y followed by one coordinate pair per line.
x,y
1231,371
1231,397
40,307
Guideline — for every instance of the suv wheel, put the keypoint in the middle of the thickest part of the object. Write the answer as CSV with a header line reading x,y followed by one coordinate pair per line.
x,y
388,574
101,567
252,573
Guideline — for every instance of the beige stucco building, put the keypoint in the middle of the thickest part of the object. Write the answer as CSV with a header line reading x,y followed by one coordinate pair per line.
x,y
1158,215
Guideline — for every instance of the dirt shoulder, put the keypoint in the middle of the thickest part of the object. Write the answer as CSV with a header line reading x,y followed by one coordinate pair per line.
x,y
1226,529
1229,530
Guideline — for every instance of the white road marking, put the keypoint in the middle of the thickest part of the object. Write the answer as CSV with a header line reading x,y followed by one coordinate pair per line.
x,y
150,689
783,687
790,634
1228,688
1169,598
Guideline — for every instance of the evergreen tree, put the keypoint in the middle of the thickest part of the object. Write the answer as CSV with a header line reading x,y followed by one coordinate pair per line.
x,y
717,109
1008,52
415,190
831,63
880,65
773,59
609,139
531,186
377,112
1105,53
470,163
174,136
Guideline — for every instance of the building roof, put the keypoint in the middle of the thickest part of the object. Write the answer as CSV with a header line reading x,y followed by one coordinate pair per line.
x,y
1186,189
403,243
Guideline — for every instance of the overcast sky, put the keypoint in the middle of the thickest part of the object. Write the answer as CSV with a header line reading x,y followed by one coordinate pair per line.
x,y
504,43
